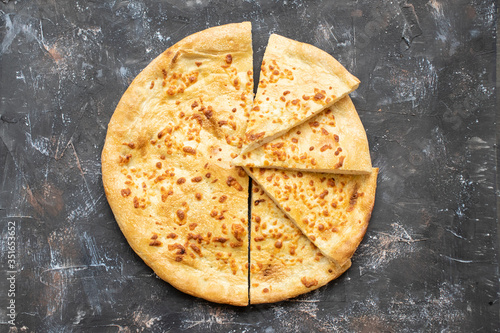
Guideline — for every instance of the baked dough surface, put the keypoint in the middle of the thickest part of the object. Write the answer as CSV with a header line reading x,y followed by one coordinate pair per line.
x,y
166,163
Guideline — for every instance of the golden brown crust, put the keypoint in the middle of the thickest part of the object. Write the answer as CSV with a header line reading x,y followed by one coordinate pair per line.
x,y
333,141
333,211
283,262
165,163
297,81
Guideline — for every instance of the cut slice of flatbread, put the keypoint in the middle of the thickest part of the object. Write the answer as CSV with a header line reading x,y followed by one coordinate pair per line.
x,y
166,163
283,262
297,81
333,211
333,141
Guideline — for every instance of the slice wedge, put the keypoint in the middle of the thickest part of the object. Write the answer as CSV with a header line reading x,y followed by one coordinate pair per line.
x,y
297,81
333,141
333,211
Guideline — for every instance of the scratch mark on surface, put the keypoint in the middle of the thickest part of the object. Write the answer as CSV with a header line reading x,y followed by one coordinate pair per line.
x,y
459,260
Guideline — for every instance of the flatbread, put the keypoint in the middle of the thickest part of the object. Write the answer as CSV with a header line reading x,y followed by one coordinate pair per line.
x,y
283,262
333,141
297,81
333,211
166,163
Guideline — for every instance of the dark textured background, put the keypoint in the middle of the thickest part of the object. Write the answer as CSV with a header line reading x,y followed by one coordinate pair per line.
x,y
429,261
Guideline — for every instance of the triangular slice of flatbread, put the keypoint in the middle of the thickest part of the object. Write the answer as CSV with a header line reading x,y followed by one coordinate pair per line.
x,y
333,141
166,163
283,262
333,211
297,81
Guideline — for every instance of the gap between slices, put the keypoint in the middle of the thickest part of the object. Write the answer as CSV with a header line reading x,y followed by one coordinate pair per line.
x,y
333,141
333,211
297,81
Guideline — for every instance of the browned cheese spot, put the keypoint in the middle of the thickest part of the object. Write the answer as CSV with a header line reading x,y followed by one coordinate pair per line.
x,y
219,239
309,282
238,231
354,198
340,162
181,214
176,246
125,192
181,181
155,242
158,165
229,59
253,137
233,182
198,196
222,198
325,147
125,160
195,248
257,202
189,150
318,96
196,179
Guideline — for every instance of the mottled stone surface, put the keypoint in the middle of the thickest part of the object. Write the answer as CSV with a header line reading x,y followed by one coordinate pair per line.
x,y
429,261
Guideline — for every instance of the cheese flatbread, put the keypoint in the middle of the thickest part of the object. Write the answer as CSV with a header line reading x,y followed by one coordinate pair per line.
x,y
283,262
166,163
297,81
333,141
333,211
